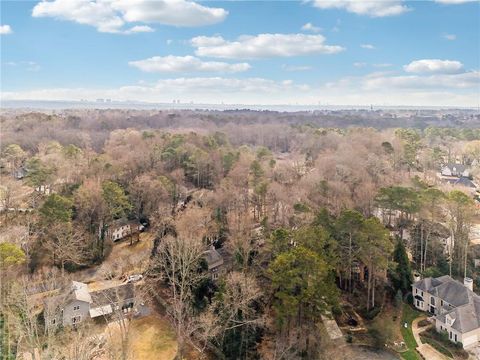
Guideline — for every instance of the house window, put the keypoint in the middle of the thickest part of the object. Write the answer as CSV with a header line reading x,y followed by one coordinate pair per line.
x,y
450,335
53,322
76,307
441,302
432,300
76,319
455,337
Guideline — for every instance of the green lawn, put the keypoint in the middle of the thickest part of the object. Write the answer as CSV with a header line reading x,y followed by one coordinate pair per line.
x,y
408,315
410,355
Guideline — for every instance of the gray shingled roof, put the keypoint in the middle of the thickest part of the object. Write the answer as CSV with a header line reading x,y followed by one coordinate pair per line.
x,y
457,167
213,258
428,284
466,317
446,288
466,303
113,295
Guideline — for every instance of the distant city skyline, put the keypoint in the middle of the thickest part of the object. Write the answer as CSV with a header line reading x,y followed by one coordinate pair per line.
x,y
384,52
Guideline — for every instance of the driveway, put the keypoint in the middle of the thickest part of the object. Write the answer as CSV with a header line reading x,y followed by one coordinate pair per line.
x,y
427,351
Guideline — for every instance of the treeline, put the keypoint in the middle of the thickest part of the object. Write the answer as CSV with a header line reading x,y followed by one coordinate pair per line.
x,y
266,128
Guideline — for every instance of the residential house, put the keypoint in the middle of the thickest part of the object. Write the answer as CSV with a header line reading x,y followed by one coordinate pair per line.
x,y
76,303
455,307
122,228
455,169
214,262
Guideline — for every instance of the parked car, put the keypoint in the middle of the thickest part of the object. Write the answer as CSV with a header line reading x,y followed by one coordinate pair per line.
x,y
134,278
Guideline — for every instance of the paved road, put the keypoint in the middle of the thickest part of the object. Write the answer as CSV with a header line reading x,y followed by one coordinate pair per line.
x,y
426,350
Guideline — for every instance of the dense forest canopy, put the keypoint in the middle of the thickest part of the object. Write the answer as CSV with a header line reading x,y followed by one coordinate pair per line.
x,y
311,213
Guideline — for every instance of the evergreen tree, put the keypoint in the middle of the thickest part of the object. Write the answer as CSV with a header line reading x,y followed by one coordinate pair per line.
x,y
402,278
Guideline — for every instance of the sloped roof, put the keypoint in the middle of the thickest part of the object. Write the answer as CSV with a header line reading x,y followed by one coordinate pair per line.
x,y
466,317
428,284
457,167
79,291
76,291
112,295
466,304
447,289
213,258
461,181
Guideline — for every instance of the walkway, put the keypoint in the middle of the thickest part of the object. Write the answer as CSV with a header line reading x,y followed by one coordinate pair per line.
x,y
427,351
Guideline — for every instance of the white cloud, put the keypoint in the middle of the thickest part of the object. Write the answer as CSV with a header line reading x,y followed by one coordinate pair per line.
x,y
201,41
434,66
197,89
287,67
359,64
454,2
112,15
5,29
450,37
382,65
25,65
139,29
372,8
186,64
263,46
169,12
465,80
367,46
311,27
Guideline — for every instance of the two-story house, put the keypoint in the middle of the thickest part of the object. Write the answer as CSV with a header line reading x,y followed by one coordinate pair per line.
x,y
456,308
76,303
214,262
122,228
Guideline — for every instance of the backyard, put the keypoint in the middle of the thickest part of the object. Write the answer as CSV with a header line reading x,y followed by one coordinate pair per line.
x,y
150,338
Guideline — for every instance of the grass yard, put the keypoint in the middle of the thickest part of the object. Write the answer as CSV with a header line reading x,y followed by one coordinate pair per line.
x,y
152,339
408,315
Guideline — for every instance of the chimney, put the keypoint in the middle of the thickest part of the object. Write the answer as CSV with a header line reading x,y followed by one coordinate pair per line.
x,y
416,277
468,283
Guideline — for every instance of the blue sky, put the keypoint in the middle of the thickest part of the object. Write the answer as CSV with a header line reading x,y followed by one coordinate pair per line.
x,y
384,52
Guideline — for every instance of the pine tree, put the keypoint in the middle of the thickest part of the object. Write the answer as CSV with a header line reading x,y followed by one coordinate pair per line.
x,y
402,278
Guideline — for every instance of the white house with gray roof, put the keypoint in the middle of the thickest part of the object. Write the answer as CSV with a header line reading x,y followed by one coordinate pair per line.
x,y
456,308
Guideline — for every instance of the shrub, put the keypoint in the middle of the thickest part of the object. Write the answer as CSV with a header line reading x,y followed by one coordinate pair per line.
x,y
370,314
378,337
423,323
